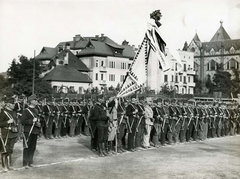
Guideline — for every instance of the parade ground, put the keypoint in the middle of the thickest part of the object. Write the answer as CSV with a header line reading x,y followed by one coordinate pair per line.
x,y
67,158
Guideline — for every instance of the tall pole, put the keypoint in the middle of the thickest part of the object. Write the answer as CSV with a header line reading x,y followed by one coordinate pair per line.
x,y
33,73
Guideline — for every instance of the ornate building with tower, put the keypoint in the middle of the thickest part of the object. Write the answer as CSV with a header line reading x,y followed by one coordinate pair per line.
x,y
220,51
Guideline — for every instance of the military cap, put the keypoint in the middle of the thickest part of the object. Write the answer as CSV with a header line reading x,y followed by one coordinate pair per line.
x,y
173,100
166,100
133,96
159,100
32,97
141,97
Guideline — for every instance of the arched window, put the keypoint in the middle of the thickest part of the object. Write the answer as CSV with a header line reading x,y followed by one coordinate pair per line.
x,y
212,65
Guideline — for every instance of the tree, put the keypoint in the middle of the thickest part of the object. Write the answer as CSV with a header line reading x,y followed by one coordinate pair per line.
x,y
209,85
167,90
5,88
222,82
198,86
21,78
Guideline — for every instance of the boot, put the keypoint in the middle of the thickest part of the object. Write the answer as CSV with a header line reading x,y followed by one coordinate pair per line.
x,y
111,148
3,159
100,150
163,139
8,162
104,149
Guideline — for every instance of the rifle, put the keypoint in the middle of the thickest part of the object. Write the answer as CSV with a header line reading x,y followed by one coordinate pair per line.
x,y
129,127
195,126
121,119
138,123
190,119
3,144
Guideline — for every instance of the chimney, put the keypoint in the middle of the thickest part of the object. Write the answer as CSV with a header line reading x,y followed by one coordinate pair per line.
x,y
67,46
65,58
125,42
60,48
102,35
77,37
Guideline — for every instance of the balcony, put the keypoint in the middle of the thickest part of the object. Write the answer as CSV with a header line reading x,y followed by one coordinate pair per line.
x,y
102,69
102,82
191,71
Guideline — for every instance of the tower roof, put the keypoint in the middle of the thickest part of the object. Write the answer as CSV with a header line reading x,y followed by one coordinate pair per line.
x,y
196,38
220,35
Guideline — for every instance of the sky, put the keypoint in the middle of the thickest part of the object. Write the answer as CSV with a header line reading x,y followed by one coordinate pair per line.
x,y
28,25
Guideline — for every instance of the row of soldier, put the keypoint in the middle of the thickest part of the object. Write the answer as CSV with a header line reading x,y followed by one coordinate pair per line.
x,y
59,117
156,123
117,125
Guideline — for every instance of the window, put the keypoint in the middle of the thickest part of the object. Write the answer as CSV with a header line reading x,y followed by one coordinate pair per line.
x,y
165,78
96,76
112,64
176,79
72,89
129,65
96,63
180,78
101,76
184,67
111,77
172,78
55,89
102,63
123,65
213,64
227,65
176,67
184,79
232,64
189,79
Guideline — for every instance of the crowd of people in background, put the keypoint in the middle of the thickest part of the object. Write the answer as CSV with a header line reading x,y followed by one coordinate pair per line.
x,y
114,125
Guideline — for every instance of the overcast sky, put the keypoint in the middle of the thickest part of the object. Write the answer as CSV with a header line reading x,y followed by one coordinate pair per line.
x,y
28,25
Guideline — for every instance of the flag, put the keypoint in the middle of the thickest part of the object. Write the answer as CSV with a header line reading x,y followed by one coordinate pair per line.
x,y
136,77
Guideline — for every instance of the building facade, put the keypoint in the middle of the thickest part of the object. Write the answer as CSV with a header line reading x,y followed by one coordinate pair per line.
x,y
182,80
220,52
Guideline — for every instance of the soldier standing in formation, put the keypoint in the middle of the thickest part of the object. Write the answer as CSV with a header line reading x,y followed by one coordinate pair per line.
x,y
8,133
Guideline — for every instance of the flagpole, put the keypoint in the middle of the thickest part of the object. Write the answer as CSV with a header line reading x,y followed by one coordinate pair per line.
x,y
33,74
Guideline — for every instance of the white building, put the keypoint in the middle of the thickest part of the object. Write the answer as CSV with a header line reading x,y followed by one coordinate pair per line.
x,y
183,81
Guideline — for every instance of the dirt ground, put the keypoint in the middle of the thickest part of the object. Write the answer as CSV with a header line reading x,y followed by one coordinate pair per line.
x,y
71,158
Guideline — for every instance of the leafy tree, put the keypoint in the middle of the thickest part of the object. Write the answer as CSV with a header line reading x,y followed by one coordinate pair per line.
x,y
209,84
5,88
198,85
21,77
222,82
167,90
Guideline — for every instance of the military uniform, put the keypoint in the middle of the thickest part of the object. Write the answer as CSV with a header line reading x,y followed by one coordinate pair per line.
x,y
131,112
8,136
100,114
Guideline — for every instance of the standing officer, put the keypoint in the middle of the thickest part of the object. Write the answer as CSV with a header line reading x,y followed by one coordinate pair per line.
x,y
140,122
122,126
158,117
31,126
131,112
100,114
148,117
8,133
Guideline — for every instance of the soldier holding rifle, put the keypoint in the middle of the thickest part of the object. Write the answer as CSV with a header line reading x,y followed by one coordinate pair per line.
x,y
122,126
158,118
165,122
8,133
131,112
140,120
31,129
100,114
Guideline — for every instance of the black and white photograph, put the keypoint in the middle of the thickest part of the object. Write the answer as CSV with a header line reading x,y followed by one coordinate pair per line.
x,y
120,89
